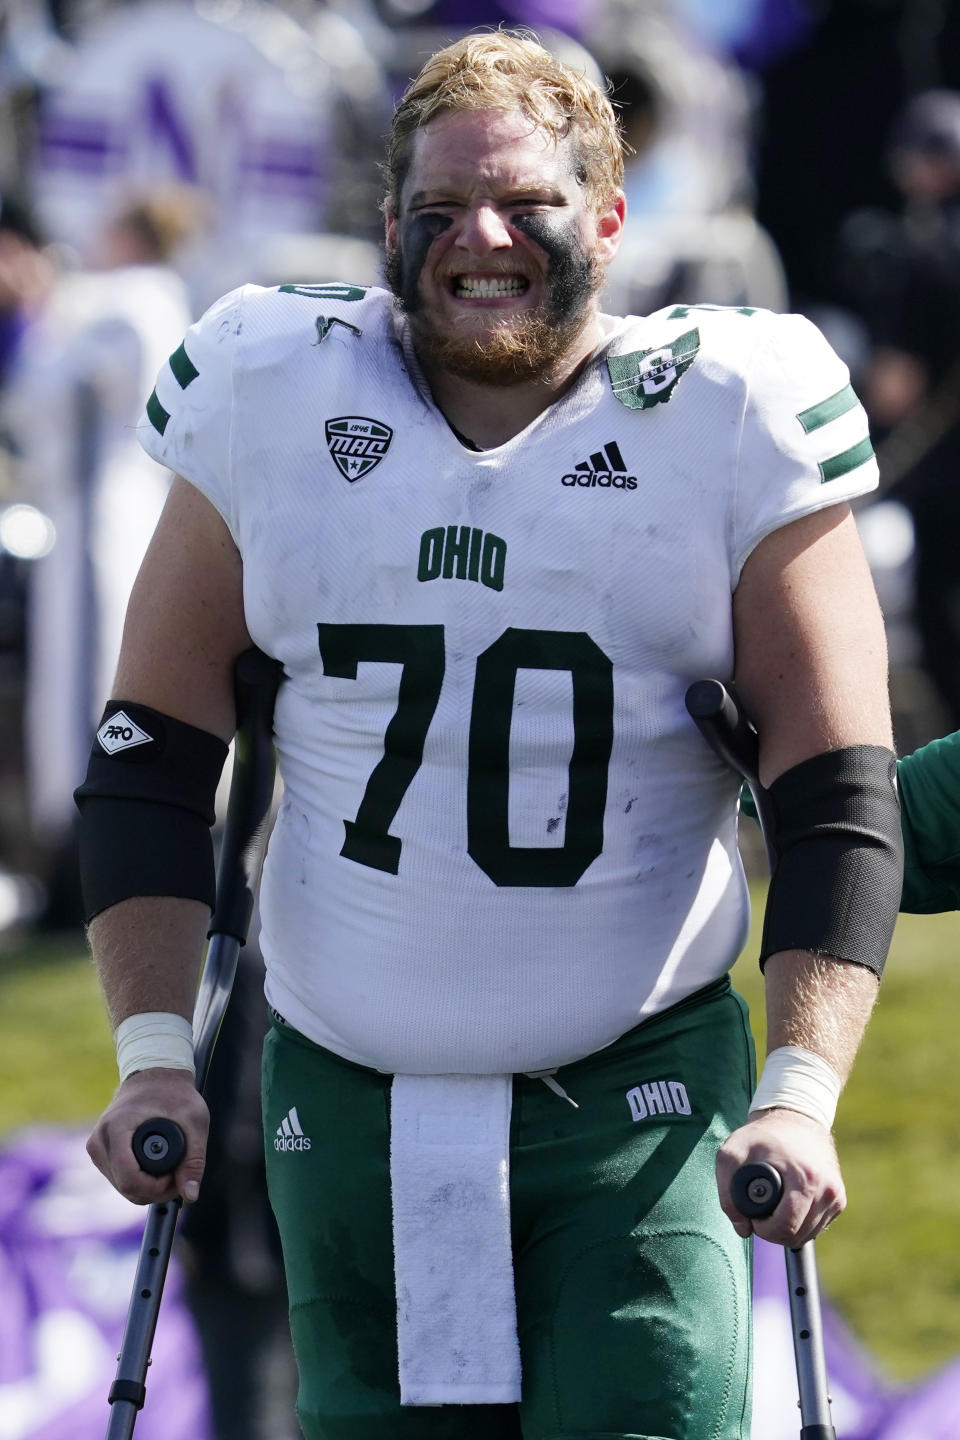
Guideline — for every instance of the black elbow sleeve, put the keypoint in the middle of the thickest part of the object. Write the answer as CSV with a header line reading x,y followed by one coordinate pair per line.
x,y
838,857
146,808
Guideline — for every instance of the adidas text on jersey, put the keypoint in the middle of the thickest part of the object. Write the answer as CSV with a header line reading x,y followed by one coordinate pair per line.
x,y
606,468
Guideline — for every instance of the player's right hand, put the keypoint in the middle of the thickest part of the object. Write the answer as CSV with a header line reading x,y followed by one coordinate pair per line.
x,y
803,1153
145,1095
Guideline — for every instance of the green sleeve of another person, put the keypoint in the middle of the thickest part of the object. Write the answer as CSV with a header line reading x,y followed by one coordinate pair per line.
x,y
929,781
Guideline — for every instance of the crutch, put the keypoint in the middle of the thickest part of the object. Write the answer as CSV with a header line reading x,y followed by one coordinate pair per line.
x,y
159,1144
757,1187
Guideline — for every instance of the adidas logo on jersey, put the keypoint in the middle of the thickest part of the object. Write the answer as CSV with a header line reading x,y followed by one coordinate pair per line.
x,y
290,1134
658,1097
606,468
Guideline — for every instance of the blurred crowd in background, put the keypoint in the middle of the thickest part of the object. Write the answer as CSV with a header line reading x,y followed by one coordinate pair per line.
x,y
796,154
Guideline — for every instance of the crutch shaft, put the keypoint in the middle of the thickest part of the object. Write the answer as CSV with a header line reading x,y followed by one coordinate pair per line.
x,y
129,1388
807,1326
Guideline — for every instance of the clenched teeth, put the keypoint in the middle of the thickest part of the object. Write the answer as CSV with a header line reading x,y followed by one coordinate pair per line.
x,y
486,288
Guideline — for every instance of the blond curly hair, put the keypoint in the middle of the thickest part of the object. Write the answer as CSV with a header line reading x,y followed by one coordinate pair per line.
x,y
511,70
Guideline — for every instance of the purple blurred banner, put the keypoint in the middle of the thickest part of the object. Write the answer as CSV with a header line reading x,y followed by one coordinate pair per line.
x,y
931,1411
865,1405
572,17
68,1251
861,1398
775,28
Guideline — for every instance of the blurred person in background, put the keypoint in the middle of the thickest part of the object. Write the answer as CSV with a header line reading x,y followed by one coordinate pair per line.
x,y
275,117
26,276
687,112
691,234
71,410
901,274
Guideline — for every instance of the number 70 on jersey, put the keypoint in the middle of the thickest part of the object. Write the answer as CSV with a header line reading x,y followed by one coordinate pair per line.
x,y
420,650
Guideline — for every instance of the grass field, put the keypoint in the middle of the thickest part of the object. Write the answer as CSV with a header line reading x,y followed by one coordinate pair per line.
x,y
892,1264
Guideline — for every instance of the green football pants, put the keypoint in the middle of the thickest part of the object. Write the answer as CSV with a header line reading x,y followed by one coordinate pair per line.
x,y
633,1290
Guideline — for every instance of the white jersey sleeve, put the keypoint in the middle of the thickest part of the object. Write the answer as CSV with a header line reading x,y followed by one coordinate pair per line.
x,y
188,420
805,442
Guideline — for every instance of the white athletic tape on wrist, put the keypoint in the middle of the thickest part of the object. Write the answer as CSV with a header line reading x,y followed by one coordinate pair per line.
x,y
154,1040
796,1079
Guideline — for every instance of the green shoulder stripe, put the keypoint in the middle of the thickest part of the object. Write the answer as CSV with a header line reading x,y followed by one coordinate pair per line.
x,y
846,461
156,414
184,370
828,409
335,290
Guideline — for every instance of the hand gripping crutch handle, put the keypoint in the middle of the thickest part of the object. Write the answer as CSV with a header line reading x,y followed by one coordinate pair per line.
x,y
159,1143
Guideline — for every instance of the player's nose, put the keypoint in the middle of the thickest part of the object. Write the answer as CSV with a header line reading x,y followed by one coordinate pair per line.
x,y
483,230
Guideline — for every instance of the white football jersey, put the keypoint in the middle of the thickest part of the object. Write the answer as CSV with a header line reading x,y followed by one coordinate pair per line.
x,y
502,841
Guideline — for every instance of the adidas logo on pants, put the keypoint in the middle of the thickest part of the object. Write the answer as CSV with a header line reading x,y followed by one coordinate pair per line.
x,y
290,1134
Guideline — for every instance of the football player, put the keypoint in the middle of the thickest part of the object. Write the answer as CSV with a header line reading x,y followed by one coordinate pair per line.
x,y
493,534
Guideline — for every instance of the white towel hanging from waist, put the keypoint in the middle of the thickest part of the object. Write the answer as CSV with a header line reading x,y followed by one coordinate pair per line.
x,y
450,1182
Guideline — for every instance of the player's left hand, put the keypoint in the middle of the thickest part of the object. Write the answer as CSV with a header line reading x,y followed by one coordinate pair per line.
x,y
803,1152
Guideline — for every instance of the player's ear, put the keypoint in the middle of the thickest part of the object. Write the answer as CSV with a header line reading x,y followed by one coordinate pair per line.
x,y
611,218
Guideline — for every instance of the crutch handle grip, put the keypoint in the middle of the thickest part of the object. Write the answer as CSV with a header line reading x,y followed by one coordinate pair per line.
x,y
756,1189
159,1146
725,726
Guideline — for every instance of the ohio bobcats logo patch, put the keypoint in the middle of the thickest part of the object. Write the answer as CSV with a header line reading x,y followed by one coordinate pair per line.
x,y
647,377
357,444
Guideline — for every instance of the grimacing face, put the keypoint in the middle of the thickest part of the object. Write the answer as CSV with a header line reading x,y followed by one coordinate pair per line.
x,y
494,253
